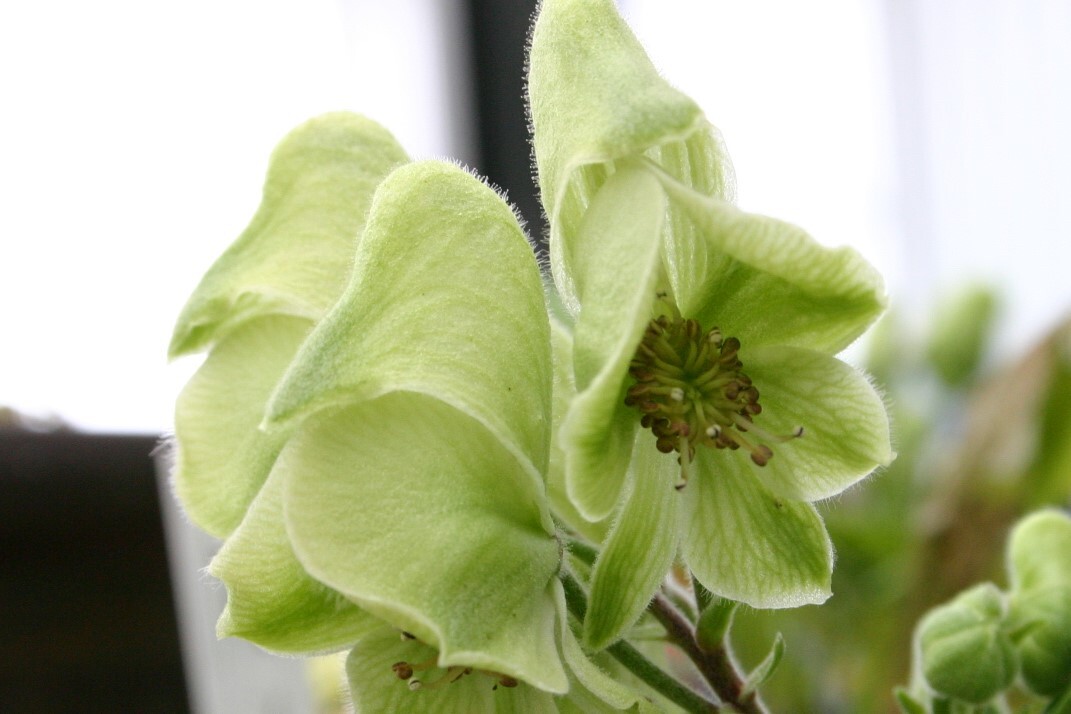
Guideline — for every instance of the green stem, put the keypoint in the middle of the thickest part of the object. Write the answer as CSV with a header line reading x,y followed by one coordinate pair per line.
x,y
714,663
633,660
583,550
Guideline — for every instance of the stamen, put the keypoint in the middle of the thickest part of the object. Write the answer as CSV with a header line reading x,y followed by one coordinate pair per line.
x,y
501,680
690,389
451,675
405,671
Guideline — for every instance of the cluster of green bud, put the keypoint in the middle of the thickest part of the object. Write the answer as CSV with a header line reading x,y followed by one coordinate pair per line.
x,y
977,646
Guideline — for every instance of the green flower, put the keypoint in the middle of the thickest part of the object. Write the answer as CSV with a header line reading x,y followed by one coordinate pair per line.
x,y
394,484
712,328
251,311
255,305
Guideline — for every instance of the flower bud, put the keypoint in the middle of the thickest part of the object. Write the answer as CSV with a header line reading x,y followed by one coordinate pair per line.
x,y
1045,651
1039,558
964,650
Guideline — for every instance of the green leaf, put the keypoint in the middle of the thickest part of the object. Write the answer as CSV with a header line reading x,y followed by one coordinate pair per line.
x,y
445,299
376,688
635,557
595,98
846,428
744,543
765,669
295,256
271,600
780,286
419,514
617,267
221,458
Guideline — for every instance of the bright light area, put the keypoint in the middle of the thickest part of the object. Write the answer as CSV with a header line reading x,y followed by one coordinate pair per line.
x,y
134,141
930,136
798,91
135,136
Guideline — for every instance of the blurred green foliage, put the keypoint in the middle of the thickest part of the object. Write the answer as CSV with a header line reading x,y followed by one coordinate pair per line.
x,y
978,447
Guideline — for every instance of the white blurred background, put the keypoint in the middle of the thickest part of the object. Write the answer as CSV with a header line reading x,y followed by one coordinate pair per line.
x,y
135,135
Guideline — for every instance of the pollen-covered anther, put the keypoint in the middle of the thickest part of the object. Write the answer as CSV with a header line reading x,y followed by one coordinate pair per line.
x,y
691,390
406,670
501,680
451,675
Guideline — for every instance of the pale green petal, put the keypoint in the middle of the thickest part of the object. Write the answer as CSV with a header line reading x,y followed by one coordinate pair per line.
x,y
779,285
640,549
564,393
295,256
221,458
845,426
445,299
595,97
420,515
376,689
271,600
617,261
596,688
746,544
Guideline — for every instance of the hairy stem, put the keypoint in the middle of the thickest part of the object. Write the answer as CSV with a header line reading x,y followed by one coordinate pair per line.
x,y
634,660
713,662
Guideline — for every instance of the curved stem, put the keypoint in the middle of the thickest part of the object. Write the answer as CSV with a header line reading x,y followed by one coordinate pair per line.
x,y
714,663
634,660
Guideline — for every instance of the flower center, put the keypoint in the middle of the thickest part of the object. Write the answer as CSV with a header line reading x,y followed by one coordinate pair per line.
x,y
691,390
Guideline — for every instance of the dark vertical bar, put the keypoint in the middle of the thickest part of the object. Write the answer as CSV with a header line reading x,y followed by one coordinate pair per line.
x,y
499,37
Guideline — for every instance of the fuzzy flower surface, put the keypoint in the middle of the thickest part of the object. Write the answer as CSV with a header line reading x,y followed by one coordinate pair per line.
x,y
710,411
370,429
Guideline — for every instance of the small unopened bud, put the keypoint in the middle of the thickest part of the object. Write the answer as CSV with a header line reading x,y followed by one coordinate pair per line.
x,y
965,650
1039,550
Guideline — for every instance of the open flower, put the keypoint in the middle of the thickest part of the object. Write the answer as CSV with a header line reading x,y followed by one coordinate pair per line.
x,y
392,500
709,410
